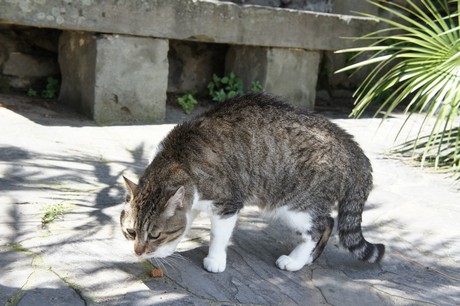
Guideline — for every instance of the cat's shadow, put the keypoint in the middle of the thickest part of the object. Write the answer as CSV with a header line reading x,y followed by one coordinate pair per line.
x,y
251,275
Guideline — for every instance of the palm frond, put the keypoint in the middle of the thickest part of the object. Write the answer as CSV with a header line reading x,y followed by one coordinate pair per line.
x,y
415,62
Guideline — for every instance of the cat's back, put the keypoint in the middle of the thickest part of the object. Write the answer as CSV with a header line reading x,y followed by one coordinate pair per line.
x,y
248,107
256,141
264,116
256,124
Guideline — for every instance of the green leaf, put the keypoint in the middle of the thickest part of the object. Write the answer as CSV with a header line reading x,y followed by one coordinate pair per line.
x,y
416,60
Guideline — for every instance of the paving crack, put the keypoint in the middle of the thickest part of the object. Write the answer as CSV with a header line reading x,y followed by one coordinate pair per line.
x,y
418,302
38,263
427,268
14,300
318,288
72,286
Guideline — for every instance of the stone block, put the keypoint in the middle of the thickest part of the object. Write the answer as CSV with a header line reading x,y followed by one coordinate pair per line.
x,y
191,65
353,7
206,21
25,65
288,73
310,5
114,78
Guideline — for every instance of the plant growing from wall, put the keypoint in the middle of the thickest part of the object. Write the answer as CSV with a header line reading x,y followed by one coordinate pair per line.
x,y
187,102
416,62
32,92
256,87
52,88
222,88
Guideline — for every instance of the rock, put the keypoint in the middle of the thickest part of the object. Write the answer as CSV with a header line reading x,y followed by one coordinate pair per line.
x,y
272,3
310,5
306,5
288,73
27,57
192,64
114,78
25,65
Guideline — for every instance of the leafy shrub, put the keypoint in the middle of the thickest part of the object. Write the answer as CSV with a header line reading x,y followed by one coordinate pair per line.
x,y
416,62
187,102
50,91
52,88
256,87
226,87
32,92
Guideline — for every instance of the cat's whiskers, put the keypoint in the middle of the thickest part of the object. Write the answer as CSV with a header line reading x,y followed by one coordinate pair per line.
x,y
165,262
172,260
159,264
179,256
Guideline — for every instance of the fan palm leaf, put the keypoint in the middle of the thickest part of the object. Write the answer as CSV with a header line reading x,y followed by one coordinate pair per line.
x,y
416,62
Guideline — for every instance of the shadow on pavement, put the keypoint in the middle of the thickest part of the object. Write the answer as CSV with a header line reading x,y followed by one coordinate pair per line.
x,y
82,254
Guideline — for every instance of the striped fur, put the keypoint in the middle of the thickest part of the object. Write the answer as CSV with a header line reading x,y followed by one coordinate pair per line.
x,y
254,149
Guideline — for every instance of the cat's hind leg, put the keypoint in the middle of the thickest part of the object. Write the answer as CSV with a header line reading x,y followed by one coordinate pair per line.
x,y
325,234
314,236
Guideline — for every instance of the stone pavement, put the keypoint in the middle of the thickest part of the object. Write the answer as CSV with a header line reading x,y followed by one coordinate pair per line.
x,y
52,160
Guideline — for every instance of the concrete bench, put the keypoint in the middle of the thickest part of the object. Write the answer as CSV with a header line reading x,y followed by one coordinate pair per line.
x,y
113,55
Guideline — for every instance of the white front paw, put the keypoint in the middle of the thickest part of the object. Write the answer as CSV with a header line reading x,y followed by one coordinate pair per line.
x,y
288,263
214,265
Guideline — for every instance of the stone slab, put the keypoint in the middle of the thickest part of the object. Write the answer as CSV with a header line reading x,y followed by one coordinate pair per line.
x,y
207,21
50,157
288,73
20,64
192,64
114,78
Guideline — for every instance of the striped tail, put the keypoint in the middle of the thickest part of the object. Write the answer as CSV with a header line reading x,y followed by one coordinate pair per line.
x,y
349,228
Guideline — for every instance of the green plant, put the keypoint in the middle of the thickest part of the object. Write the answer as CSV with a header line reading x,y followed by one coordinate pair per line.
x,y
187,102
51,212
226,87
256,87
52,88
416,62
31,92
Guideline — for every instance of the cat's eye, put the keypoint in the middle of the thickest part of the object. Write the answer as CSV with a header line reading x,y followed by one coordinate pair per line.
x,y
131,232
152,236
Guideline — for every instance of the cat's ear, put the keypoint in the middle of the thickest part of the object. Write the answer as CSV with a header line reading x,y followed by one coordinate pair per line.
x,y
132,187
176,201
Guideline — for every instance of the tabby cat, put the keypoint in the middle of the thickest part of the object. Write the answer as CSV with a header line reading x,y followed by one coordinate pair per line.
x,y
254,149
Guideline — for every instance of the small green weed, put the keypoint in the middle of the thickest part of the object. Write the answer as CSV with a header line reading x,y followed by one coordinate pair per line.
x,y
256,87
187,102
52,88
52,212
226,87
32,92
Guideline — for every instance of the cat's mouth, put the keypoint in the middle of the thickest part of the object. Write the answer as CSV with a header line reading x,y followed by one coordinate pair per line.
x,y
154,254
157,254
161,251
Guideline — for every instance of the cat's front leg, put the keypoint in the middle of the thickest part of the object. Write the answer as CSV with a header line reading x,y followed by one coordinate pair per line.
x,y
221,231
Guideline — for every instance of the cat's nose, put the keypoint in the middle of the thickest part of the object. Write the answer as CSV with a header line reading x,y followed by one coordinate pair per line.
x,y
139,249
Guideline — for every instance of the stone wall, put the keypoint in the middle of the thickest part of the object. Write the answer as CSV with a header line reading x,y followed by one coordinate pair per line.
x,y
27,57
192,64
307,5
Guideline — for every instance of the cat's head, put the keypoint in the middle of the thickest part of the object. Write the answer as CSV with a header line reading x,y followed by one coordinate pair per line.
x,y
154,219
